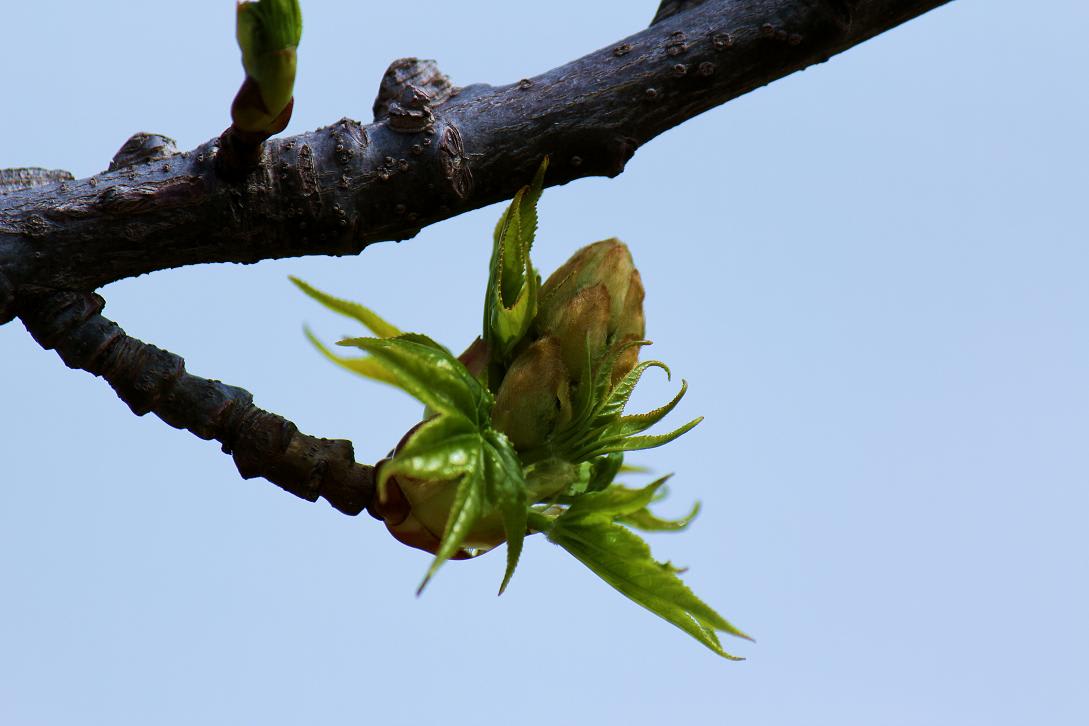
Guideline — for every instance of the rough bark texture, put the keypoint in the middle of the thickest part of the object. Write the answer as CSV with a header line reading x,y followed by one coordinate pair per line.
x,y
432,152
338,189
152,380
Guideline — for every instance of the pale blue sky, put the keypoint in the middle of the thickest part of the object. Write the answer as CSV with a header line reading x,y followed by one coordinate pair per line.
x,y
872,274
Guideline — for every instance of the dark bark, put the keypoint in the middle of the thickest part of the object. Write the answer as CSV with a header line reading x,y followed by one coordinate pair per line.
x,y
152,380
671,7
12,180
433,151
338,189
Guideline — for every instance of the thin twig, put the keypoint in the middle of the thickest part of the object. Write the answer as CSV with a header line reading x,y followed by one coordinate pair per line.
x,y
152,380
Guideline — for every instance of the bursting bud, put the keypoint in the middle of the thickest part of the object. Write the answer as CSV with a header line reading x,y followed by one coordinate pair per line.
x,y
525,432
591,304
268,32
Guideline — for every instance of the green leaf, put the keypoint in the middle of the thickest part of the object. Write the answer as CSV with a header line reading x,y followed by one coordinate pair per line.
x,y
598,426
551,478
610,400
623,560
452,447
637,443
464,513
434,432
614,403
370,320
440,449
509,324
431,374
491,478
614,501
528,211
425,340
366,366
635,423
442,460
604,470
510,301
514,236
506,487
645,520
513,254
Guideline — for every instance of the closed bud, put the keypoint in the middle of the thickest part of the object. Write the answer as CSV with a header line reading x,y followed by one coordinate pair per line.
x,y
268,33
593,302
534,398
415,511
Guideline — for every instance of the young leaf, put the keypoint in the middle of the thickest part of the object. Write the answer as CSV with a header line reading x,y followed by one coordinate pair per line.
x,y
611,399
366,366
506,486
604,470
645,520
598,426
466,510
513,254
622,559
451,448
636,443
431,374
615,501
510,300
528,211
443,460
634,423
548,479
617,398
370,320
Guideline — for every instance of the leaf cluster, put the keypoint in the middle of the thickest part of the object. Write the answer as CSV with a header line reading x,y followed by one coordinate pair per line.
x,y
566,487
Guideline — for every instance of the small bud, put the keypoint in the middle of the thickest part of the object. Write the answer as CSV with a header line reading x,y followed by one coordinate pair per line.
x,y
268,32
582,327
591,303
415,512
534,398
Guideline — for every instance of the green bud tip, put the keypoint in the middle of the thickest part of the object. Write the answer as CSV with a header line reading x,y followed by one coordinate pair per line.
x,y
268,32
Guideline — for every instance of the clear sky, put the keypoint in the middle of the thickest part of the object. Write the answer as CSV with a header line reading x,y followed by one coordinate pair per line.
x,y
872,274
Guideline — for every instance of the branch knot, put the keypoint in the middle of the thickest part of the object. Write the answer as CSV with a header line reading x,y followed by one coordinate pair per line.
x,y
411,114
415,73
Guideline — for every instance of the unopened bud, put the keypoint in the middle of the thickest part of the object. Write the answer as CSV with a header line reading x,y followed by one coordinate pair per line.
x,y
534,398
268,32
415,512
591,303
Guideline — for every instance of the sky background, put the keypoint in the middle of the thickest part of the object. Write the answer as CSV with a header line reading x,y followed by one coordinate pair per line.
x,y
872,274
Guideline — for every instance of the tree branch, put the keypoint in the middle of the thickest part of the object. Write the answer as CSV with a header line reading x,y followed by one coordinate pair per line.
x,y
671,7
424,159
152,380
433,151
